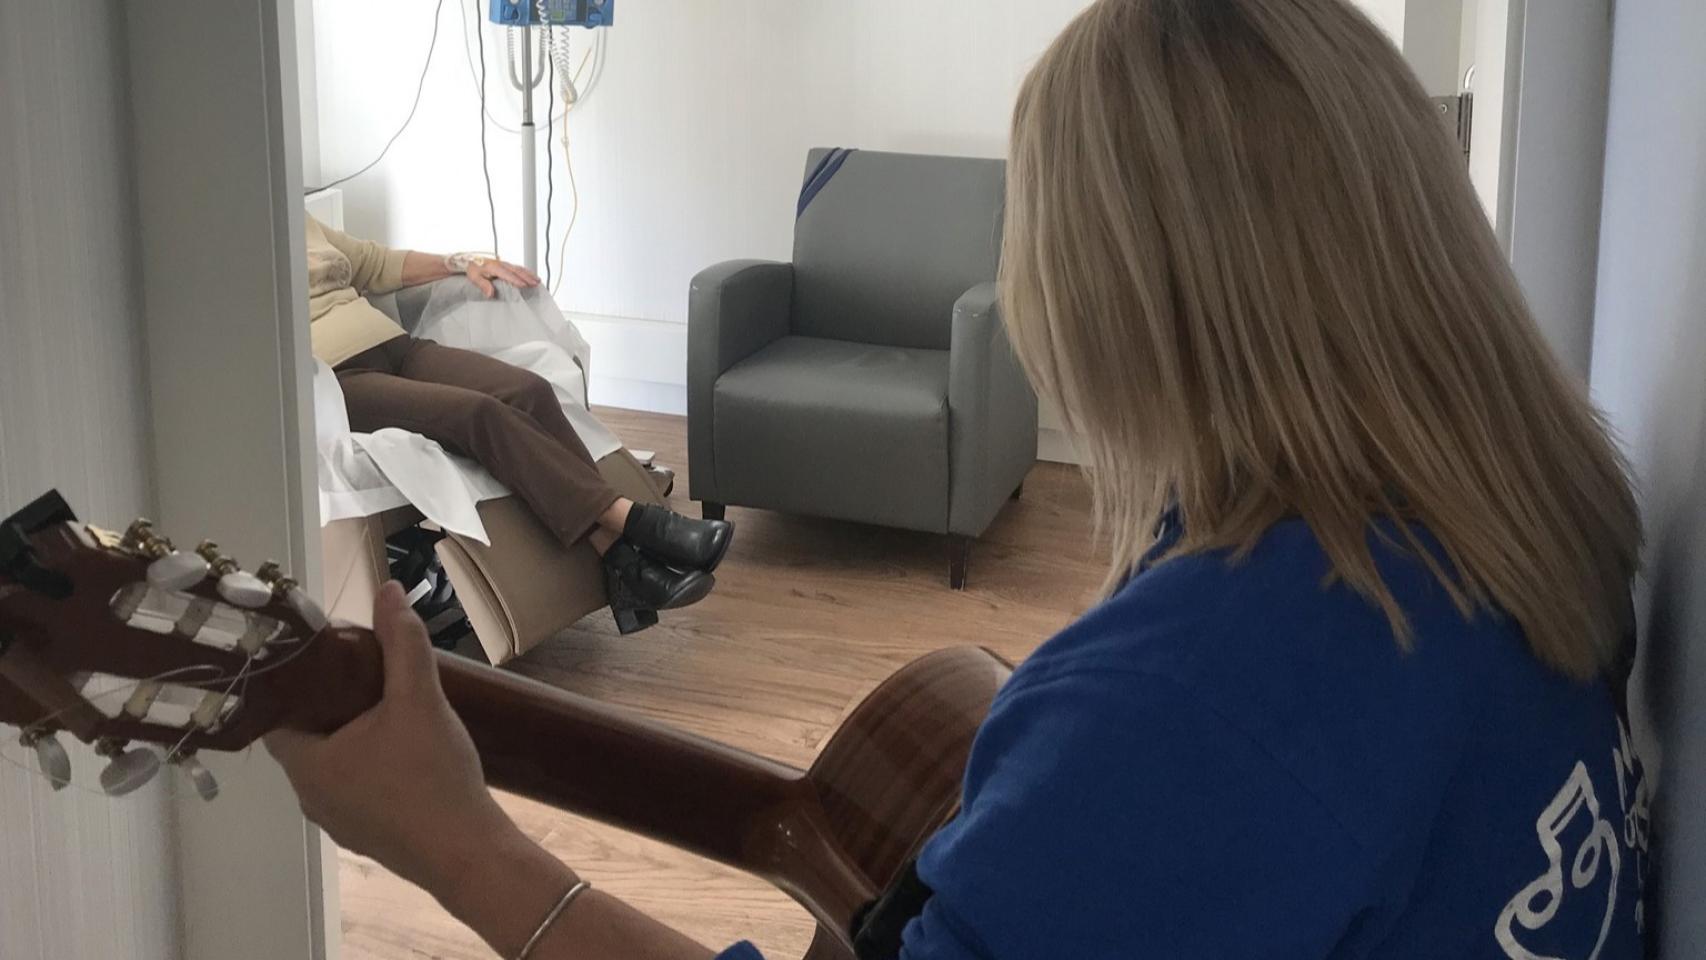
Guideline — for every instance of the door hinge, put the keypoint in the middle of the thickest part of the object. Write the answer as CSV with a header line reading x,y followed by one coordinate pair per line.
x,y
1458,113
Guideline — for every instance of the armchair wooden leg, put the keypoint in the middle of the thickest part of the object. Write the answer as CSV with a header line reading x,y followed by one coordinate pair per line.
x,y
959,554
1019,490
711,511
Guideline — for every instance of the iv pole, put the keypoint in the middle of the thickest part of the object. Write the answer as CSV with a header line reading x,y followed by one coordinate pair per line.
x,y
587,13
526,83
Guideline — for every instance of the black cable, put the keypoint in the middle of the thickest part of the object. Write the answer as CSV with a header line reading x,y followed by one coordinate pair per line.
x,y
419,88
550,168
485,164
473,77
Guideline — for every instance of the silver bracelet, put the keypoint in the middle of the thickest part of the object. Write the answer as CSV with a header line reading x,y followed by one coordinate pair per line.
x,y
551,918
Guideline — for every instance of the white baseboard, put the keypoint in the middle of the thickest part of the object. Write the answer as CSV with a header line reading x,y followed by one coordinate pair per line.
x,y
643,395
1055,445
636,364
642,365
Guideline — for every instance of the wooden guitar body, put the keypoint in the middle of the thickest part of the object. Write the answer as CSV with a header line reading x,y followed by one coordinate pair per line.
x,y
832,837
891,775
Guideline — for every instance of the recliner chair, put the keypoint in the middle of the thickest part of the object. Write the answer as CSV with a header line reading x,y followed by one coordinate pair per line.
x,y
870,379
520,591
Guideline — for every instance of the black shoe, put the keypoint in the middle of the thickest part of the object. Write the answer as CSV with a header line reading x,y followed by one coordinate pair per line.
x,y
638,586
633,621
677,540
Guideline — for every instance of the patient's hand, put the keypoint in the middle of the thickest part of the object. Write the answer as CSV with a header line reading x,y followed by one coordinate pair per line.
x,y
483,272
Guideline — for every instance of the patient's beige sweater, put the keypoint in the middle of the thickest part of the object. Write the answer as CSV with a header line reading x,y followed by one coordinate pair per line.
x,y
341,272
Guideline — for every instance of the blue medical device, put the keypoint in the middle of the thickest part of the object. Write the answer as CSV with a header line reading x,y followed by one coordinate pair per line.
x,y
558,13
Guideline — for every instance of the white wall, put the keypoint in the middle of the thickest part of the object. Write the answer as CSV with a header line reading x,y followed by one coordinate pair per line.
x,y
82,877
1649,372
308,90
1389,15
1498,66
691,150
1553,194
1433,43
689,153
1469,22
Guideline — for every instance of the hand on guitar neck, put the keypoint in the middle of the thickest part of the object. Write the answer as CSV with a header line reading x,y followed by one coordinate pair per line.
x,y
402,784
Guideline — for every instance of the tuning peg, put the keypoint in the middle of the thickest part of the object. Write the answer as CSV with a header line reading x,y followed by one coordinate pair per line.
x,y
55,763
128,770
172,569
244,589
200,777
141,538
238,587
292,594
177,571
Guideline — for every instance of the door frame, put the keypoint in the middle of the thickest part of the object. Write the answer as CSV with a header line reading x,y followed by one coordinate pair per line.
x,y
215,119
1558,99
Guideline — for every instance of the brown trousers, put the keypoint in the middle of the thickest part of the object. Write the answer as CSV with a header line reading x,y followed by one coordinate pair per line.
x,y
502,416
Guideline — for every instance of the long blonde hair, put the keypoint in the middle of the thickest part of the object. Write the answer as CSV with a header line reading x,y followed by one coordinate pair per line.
x,y
1244,257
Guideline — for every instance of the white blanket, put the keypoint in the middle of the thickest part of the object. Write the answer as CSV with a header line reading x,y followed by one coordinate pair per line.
x,y
362,474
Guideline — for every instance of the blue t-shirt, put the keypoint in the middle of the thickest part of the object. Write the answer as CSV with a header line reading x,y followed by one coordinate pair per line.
x,y
1237,760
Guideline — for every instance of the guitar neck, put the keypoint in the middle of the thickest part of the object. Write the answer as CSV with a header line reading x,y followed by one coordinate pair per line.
x,y
577,754
605,763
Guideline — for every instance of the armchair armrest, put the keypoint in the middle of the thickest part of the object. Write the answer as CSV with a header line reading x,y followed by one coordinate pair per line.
x,y
992,414
734,310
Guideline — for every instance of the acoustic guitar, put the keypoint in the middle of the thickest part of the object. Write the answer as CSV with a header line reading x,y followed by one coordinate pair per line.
x,y
121,639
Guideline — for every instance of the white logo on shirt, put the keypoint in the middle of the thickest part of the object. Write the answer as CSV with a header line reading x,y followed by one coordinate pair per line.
x,y
1573,818
1635,796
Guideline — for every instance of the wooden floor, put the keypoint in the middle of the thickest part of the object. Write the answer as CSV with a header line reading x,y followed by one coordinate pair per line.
x,y
808,616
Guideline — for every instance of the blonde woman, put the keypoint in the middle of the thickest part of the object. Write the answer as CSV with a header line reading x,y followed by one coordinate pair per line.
x,y
1361,695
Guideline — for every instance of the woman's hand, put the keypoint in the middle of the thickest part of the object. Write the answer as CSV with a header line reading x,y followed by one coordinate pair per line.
x,y
401,783
483,272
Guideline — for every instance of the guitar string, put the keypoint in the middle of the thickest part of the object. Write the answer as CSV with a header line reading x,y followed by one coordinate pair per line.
x,y
174,793
243,676
38,725
242,673
190,729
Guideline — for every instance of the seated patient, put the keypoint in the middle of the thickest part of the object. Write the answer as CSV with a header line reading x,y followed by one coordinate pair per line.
x,y
506,418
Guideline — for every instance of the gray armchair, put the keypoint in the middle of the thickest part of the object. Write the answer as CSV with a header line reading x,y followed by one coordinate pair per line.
x,y
870,379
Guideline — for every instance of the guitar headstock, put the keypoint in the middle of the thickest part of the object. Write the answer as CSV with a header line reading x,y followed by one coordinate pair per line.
x,y
124,638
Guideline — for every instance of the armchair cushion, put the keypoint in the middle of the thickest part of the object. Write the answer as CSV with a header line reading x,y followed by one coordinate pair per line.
x,y
836,429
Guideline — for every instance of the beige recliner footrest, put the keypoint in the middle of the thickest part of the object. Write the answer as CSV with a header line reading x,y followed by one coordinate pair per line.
x,y
527,587
519,592
353,554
